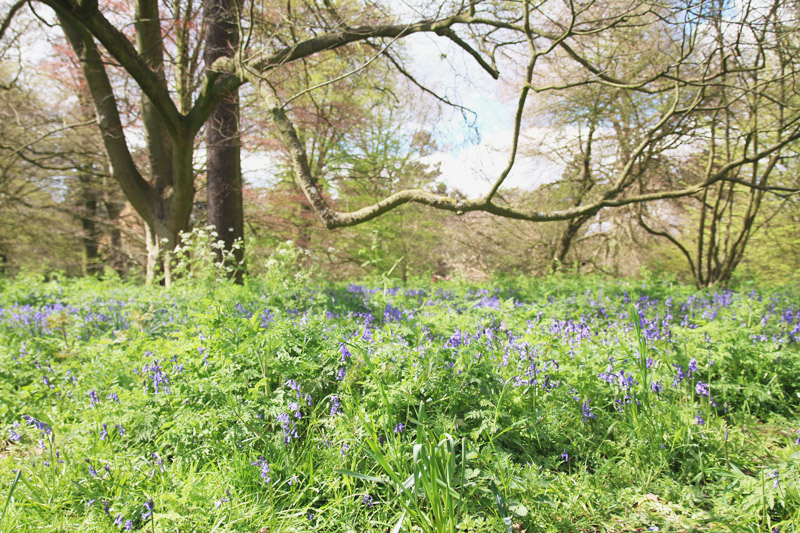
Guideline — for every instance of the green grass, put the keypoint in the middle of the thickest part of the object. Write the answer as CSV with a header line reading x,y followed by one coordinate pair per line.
x,y
460,408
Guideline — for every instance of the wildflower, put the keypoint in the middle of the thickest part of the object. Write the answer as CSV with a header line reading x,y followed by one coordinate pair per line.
x,y
222,500
118,520
340,374
797,442
344,352
41,426
565,456
336,408
693,366
368,501
92,471
149,506
399,428
90,502
128,525
264,466
699,419
345,447
656,386
293,480
106,506
13,436
587,411
104,432
679,375
701,389
113,397
93,399
777,477
121,429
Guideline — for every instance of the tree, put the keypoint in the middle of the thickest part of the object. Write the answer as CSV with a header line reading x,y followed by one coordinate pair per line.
x,y
683,72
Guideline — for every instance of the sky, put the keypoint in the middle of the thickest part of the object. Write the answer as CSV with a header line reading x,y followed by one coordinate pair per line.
x,y
467,163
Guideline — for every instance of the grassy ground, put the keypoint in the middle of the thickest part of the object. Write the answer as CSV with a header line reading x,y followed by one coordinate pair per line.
x,y
555,405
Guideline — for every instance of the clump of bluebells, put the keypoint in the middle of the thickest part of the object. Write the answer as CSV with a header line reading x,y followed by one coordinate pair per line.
x,y
538,387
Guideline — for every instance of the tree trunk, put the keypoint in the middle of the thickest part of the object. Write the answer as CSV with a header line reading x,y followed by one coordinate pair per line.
x,y
223,163
90,238
116,255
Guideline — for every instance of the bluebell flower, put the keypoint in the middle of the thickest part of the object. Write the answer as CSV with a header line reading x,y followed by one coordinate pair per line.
x,y
368,501
345,353
777,477
41,426
149,506
13,436
264,466
399,428
336,408
118,520
565,456
121,429
128,525
106,507
90,502
345,447
656,386
340,375
104,432
93,399
92,471
693,366
113,397
587,411
699,419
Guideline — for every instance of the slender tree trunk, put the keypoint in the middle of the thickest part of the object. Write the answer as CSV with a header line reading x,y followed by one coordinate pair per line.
x,y
225,211
90,238
117,256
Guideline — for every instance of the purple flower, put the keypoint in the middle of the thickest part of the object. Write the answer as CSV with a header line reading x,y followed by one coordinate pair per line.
x,y
693,366
587,411
565,456
336,408
128,525
777,477
104,432
13,436
41,426
118,520
121,429
399,428
264,466
93,399
368,501
106,506
340,375
701,389
92,471
344,352
698,419
345,447
656,386
113,397
149,506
